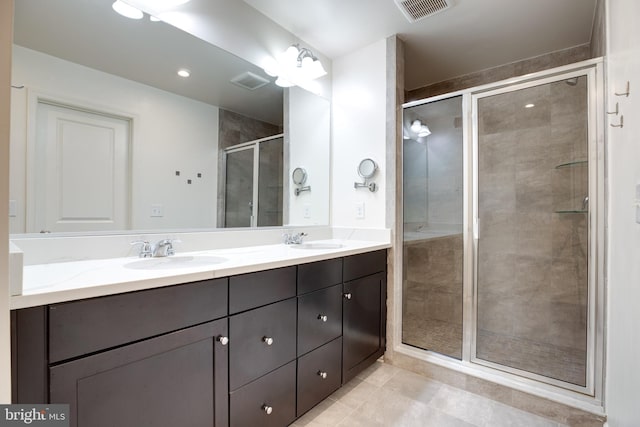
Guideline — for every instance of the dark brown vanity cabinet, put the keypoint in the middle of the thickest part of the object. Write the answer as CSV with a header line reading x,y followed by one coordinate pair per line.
x,y
150,358
364,311
257,349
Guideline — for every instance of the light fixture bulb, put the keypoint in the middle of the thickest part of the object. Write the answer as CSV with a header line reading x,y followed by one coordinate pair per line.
x,y
529,105
126,10
154,19
183,72
291,54
424,131
283,83
416,126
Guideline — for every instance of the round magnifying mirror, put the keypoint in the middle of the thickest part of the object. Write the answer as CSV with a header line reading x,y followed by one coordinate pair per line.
x,y
299,176
367,168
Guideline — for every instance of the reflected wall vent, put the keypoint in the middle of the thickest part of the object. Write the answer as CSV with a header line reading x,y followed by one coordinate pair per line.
x,y
248,80
415,10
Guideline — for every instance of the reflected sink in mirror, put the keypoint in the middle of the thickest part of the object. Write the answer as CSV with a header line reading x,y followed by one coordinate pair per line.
x,y
172,262
318,245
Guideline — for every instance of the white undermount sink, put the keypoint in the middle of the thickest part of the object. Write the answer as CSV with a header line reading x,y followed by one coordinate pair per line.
x,y
171,262
318,245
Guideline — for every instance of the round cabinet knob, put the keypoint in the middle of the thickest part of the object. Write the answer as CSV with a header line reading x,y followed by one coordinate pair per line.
x,y
267,409
347,295
322,317
267,340
322,374
223,340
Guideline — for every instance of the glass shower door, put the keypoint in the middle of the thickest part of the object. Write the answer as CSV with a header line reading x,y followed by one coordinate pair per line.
x,y
433,227
239,188
532,281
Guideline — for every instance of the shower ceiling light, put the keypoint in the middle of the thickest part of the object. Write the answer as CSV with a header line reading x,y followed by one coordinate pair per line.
x,y
183,72
127,10
529,105
416,126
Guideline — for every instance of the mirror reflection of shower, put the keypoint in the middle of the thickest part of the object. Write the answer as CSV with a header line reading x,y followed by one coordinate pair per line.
x,y
253,184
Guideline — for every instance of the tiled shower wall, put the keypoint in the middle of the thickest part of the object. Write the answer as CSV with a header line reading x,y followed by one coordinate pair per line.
x,y
532,251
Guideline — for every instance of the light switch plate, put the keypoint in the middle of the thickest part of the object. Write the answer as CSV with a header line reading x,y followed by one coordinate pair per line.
x,y
157,211
638,203
13,208
306,211
360,210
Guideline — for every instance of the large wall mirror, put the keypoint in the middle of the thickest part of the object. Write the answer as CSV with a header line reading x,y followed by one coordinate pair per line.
x,y
107,137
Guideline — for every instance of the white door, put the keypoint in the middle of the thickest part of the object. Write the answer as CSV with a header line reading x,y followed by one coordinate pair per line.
x,y
81,164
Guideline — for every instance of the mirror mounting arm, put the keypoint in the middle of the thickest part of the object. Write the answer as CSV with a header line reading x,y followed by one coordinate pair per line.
x,y
371,186
301,189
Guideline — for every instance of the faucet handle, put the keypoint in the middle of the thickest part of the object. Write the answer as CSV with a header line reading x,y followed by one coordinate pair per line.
x,y
145,251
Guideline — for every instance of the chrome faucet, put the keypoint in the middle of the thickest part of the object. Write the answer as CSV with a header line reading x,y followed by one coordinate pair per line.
x,y
146,250
164,248
293,238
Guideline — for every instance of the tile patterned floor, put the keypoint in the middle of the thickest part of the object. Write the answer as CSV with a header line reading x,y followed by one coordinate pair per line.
x,y
387,396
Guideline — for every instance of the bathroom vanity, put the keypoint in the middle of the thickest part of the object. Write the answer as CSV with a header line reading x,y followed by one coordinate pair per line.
x,y
260,348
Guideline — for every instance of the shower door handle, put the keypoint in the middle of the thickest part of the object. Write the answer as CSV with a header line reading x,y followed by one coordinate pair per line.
x,y
476,228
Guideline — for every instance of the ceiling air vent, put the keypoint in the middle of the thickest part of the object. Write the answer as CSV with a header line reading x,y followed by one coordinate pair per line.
x,y
414,10
249,80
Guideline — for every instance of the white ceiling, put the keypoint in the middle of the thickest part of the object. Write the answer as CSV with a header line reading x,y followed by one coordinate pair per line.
x,y
470,36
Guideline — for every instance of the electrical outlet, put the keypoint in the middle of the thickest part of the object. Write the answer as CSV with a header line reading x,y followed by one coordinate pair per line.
x,y
306,211
13,207
360,210
157,211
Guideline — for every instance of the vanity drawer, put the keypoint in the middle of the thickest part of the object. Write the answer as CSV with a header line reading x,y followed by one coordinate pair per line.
x,y
81,327
250,354
249,405
319,375
361,265
318,275
251,290
319,318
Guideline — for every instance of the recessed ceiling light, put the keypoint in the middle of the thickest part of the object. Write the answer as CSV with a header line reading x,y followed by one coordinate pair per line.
x,y
529,105
183,72
126,10
154,19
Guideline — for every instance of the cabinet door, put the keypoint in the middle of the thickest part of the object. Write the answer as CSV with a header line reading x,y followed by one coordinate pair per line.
x,y
363,323
319,318
260,341
177,379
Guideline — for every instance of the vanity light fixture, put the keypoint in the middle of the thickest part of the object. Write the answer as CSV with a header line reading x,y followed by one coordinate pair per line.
x,y
183,72
296,66
127,10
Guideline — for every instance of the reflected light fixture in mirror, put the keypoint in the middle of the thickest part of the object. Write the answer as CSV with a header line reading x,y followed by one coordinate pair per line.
x,y
296,66
127,10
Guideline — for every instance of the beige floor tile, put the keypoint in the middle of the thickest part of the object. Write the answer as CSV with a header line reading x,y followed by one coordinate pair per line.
x,y
413,386
354,393
326,413
464,405
378,373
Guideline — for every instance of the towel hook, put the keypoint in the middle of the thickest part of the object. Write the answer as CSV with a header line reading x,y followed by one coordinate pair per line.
x,y
620,125
626,93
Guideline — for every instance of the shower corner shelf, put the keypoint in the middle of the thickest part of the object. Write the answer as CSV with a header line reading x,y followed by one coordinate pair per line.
x,y
571,211
572,164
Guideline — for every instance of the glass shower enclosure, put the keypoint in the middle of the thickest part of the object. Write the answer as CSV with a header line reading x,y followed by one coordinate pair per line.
x,y
502,207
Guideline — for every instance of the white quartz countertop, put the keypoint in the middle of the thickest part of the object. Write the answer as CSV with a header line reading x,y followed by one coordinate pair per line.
x,y
67,281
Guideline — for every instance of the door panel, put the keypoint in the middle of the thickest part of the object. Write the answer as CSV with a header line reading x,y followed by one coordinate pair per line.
x,y
82,171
